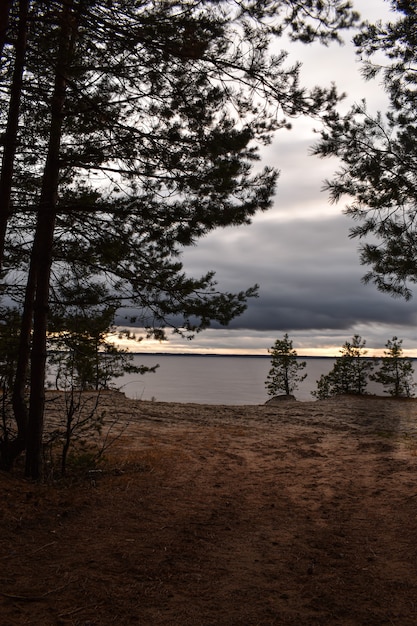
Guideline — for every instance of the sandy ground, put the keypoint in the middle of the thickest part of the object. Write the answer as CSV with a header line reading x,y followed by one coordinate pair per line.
x,y
304,513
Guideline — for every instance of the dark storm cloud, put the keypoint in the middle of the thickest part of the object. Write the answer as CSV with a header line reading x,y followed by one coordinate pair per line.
x,y
308,271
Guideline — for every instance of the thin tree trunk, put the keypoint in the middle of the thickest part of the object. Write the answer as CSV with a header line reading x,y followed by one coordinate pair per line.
x,y
20,409
43,250
10,138
286,381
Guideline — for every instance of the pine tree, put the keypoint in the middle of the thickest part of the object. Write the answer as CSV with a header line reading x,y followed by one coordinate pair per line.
x,y
284,374
350,372
396,371
13,112
81,340
138,134
378,154
9,341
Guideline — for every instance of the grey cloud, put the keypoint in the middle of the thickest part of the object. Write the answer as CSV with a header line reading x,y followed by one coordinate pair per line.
x,y
299,252
308,271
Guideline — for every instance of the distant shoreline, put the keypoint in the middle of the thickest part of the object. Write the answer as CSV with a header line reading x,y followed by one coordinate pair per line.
x,y
211,354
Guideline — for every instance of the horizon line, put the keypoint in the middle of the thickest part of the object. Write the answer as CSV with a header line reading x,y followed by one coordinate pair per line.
x,y
248,354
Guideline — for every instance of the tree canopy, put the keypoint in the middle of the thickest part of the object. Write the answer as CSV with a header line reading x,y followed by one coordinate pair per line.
x,y
285,372
350,372
378,154
396,371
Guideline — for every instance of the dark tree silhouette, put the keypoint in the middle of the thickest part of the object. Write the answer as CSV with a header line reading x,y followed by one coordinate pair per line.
x,y
378,155
139,128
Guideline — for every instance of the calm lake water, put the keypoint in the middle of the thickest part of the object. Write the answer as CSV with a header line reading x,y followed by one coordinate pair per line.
x,y
208,379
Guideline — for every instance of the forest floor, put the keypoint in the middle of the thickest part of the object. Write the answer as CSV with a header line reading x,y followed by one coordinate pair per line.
x,y
302,513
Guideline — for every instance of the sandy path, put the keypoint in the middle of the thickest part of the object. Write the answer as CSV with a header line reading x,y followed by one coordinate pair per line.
x,y
302,514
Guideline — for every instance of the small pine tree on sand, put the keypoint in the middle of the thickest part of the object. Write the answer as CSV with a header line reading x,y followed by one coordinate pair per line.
x,y
284,374
396,371
350,372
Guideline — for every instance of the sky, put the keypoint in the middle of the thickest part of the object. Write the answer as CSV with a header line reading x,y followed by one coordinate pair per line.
x,y
299,252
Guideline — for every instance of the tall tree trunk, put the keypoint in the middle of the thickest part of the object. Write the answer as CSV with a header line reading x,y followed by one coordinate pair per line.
x,y
5,6
10,138
43,249
16,446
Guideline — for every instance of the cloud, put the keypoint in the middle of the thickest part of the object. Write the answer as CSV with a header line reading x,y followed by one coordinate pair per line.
x,y
308,271
299,252
310,286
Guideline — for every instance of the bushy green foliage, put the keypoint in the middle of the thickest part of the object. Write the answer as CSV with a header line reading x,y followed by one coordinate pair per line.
x,y
284,374
350,372
396,371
